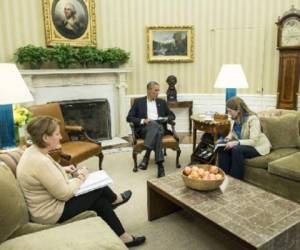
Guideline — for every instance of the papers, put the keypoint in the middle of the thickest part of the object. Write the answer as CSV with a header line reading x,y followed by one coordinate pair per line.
x,y
219,145
162,119
94,181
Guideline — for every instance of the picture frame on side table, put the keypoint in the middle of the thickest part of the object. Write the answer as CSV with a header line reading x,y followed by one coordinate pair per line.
x,y
70,22
170,43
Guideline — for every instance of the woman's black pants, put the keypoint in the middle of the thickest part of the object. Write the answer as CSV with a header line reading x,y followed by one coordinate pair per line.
x,y
100,201
232,160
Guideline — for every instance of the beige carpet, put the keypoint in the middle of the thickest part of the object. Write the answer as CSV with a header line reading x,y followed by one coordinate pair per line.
x,y
178,231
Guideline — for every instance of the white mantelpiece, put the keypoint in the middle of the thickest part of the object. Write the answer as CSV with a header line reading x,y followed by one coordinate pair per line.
x,y
48,85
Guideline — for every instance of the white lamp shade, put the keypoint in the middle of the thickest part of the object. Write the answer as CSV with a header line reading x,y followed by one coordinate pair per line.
x,y
13,88
231,76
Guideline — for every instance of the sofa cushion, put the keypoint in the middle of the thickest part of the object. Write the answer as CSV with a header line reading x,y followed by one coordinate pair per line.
x,y
288,167
287,111
88,234
283,131
263,161
12,158
13,209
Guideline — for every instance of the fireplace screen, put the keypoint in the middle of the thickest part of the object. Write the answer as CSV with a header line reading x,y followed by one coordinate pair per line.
x,y
92,114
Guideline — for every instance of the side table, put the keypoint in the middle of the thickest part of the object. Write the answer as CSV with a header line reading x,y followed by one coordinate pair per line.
x,y
184,104
213,127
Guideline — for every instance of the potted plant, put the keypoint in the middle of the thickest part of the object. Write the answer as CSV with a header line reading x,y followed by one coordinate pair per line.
x,y
116,56
31,56
64,56
89,56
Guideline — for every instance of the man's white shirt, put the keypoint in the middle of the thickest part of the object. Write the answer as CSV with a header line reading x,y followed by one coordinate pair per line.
x,y
152,113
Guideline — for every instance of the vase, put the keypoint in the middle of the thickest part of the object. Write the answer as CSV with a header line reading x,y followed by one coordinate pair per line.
x,y
17,135
20,135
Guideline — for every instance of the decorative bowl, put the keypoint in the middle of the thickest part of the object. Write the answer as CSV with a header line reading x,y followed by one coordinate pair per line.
x,y
199,183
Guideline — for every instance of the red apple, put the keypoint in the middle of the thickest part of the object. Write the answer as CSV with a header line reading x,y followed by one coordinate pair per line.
x,y
213,169
187,171
219,177
201,171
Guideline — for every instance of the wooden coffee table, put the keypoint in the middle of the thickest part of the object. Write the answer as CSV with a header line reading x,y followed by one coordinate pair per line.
x,y
257,219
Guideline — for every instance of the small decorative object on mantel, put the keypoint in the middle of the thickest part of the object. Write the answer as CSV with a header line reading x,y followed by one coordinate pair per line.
x,y
171,91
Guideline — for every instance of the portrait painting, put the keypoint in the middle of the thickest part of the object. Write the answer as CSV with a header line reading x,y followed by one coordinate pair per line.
x,y
70,22
170,44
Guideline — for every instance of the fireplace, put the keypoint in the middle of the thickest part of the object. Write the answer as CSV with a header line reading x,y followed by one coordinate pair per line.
x,y
92,114
54,85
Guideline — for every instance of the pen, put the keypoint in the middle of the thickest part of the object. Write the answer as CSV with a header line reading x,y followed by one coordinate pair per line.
x,y
76,170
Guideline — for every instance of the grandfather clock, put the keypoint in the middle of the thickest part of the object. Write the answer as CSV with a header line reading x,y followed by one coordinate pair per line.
x,y
288,44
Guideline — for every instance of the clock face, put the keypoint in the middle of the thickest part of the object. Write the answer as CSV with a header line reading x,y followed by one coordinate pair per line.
x,y
290,35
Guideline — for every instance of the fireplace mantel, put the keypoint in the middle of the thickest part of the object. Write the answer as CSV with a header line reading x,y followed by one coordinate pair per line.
x,y
48,85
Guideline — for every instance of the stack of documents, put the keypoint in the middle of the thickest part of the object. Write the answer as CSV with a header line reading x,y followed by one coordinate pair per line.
x,y
94,181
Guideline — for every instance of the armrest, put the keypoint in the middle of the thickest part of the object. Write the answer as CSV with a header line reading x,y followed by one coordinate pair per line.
x,y
73,128
132,132
80,129
173,123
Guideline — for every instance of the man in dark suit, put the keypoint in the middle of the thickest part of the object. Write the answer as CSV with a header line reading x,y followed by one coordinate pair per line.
x,y
150,115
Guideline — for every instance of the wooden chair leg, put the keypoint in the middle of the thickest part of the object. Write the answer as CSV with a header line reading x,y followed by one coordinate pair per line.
x,y
101,156
134,156
177,158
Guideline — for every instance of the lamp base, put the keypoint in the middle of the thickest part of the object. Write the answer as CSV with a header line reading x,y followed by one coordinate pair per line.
x,y
230,92
7,132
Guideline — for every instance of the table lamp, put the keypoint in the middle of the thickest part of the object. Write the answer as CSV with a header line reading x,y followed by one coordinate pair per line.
x,y
13,89
231,77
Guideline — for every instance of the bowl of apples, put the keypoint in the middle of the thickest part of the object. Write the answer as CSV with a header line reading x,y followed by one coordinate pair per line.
x,y
203,177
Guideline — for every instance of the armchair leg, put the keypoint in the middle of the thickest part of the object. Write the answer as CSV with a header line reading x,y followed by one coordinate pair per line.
x,y
101,156
134,156
177,158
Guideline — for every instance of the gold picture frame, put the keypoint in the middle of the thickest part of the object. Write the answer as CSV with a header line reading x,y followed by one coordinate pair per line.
x,y
70,22
170,43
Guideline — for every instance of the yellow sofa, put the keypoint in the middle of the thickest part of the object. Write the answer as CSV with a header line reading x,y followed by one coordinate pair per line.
x,y
85,231
279,171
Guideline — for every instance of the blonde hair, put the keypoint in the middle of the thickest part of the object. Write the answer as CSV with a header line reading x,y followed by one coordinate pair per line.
x,y
40,126
236,103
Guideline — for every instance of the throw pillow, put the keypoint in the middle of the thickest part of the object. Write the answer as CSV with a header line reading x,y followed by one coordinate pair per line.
x,y
282,131
12,158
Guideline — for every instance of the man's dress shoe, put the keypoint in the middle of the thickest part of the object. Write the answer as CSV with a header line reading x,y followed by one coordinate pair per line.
x,y
144,164
161,171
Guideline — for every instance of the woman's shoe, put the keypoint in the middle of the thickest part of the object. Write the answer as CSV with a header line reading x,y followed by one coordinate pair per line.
x,y
137,240
125,196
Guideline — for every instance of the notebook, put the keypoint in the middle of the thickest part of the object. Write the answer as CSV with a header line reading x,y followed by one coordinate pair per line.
x,y
94,181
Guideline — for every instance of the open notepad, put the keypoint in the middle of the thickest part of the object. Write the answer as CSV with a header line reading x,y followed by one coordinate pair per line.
x,y
94,181
219,145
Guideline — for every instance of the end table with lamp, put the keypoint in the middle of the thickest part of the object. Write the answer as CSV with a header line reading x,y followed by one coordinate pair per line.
x,y
13,89
218,125
231,77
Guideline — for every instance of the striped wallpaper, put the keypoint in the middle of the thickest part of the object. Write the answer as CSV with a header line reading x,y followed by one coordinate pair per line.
x,y
226,31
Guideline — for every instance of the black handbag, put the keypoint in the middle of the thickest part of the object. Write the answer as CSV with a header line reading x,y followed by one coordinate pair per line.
x,y
204,152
